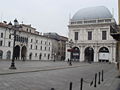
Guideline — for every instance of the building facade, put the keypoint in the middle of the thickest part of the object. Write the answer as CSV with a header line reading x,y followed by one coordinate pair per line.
x,y
89,32
59,45
29,45
62,47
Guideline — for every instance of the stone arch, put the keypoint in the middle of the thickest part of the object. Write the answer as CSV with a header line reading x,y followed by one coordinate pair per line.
x,y
23,52
89,54
16,52
103,54
1,54
102,47
75,54
8,56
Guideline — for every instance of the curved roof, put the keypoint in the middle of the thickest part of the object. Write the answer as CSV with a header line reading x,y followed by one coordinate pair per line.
x,y
99,12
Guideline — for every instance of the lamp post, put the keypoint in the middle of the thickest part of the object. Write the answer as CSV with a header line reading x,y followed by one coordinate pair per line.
x,y
70,44
10,26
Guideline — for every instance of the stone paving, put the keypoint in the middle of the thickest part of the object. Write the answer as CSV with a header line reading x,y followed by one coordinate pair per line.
x,y
34,66
110,81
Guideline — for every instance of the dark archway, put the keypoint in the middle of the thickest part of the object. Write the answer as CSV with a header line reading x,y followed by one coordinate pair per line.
x,y
30,56
40,56
75,54
8,56
89,54
1,54
103,54
23,52
16,52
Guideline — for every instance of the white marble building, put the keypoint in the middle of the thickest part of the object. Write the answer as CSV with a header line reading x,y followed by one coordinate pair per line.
x,y
89,30
29,43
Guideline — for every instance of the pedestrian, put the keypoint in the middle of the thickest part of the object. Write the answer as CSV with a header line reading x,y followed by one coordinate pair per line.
x,y
70,62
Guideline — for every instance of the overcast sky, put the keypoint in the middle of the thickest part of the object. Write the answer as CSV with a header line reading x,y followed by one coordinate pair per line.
x,y
49,15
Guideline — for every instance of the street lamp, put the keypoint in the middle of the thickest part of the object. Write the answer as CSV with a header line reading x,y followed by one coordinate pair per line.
x,y
70,44
10,26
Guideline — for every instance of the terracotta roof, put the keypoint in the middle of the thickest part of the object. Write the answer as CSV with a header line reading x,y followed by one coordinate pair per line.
x,y
3,25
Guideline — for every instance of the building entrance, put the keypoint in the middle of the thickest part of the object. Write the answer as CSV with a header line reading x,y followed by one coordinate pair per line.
x,y
16,52
103,54
75,54
89,54
23,53
8,55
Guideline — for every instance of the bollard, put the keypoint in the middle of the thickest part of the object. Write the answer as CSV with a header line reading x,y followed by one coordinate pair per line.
x,y
52,89
70,86
99,78
95,80
102,76
81,84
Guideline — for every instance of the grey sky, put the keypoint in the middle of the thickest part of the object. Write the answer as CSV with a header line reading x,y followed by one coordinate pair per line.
x,y
49,15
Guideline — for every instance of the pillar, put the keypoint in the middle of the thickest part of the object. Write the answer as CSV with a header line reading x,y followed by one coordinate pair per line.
x,y
111,53
81,54
114,53
95,54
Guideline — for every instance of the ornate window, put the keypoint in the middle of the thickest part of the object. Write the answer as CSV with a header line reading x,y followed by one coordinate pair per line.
x,y
45,48
9,36
76,35
36,41
1,35
49,48
31,40
36,47
9,44
104,35
1,43
31,46
35,54
1,54
41,48
89,35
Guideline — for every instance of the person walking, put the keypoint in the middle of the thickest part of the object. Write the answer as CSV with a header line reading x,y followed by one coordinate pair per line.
x,y
70,62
